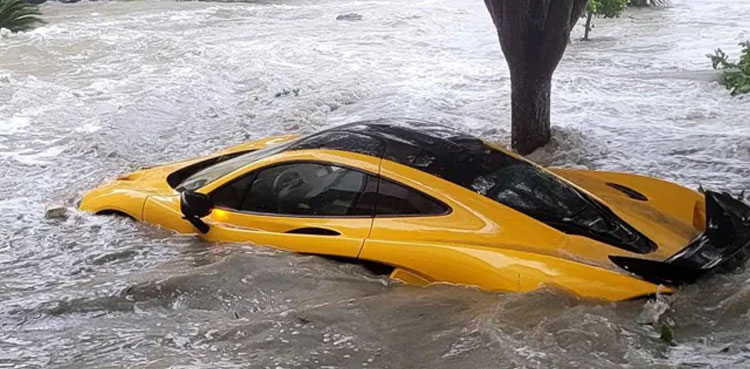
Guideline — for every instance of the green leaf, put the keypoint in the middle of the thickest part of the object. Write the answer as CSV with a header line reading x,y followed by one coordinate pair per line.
x,y
736,77
606,8
19,15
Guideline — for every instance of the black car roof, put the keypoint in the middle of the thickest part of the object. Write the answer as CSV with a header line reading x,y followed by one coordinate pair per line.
x,y
406,141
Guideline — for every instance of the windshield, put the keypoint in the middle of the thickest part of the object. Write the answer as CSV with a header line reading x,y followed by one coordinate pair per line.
x,y
223,168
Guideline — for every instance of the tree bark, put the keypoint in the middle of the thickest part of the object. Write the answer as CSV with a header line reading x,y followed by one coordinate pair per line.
x,y
588,26
530,104
533,36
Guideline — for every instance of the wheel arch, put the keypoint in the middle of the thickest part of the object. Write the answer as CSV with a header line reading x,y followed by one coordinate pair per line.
x,y
115,212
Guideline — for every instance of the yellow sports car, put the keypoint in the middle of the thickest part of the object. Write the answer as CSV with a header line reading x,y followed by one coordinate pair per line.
x,y
434,205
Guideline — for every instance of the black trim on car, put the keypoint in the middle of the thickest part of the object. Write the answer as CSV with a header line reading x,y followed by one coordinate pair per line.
x,y
633,194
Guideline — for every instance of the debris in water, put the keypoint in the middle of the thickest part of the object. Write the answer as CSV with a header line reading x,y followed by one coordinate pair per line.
x,y
56,212
653,310
287,91
349,17
302,320
667,334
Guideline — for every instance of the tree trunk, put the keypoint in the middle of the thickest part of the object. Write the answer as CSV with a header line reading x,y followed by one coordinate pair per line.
x,y
533,35
530,100
588,26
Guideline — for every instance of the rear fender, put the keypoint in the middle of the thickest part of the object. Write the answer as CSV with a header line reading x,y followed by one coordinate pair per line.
x,y
723,247
504,270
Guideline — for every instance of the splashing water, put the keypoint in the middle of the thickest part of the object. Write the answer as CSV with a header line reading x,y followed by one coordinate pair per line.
x,y
106,87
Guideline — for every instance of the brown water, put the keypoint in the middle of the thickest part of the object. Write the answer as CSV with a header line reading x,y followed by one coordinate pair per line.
x,y
106,87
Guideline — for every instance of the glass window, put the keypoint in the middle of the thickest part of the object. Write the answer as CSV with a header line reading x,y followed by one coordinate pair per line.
x,y
527,188
316,189
233,195
176,178
473,164
211,170
342,140
220,169
312,189
396,199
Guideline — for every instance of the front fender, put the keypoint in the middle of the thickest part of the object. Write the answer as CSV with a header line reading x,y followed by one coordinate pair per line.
x,y
113,197
165,211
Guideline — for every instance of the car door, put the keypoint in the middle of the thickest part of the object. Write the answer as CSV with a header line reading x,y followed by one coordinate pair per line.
x,y
420,228
302,206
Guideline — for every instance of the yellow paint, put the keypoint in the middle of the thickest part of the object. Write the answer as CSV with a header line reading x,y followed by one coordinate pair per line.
x,y
409,277
220,215
479,243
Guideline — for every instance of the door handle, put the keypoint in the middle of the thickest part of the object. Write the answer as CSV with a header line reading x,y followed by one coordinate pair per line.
x,y
315,231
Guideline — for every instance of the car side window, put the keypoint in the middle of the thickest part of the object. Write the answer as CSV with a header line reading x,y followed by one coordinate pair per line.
x,y
397,200
234,194
307,189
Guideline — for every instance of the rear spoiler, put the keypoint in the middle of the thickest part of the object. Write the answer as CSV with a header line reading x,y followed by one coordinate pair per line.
x,y
723,247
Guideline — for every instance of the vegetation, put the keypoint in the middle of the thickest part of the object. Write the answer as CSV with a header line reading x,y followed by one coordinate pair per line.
x,y
602,8
667,334
613,9
19,15
644,3
533,35
736,76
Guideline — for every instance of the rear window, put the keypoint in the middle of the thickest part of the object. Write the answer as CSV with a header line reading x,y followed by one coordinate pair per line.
x,y
473,164
520,185
525,187
395,200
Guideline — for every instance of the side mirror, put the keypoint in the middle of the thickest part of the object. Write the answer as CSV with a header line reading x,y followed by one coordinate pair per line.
x,y
194,206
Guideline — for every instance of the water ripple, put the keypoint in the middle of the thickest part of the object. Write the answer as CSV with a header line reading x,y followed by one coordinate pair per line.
x,y
107,87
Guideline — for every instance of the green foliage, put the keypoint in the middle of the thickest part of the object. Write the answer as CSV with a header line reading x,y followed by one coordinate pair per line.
x,y
644,3
736,76
19,15
604,9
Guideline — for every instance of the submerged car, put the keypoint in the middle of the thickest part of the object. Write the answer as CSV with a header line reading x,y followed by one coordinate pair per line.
x,y
435,205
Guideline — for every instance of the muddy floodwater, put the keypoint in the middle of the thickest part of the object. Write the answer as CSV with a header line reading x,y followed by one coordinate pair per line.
x,y
106,87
